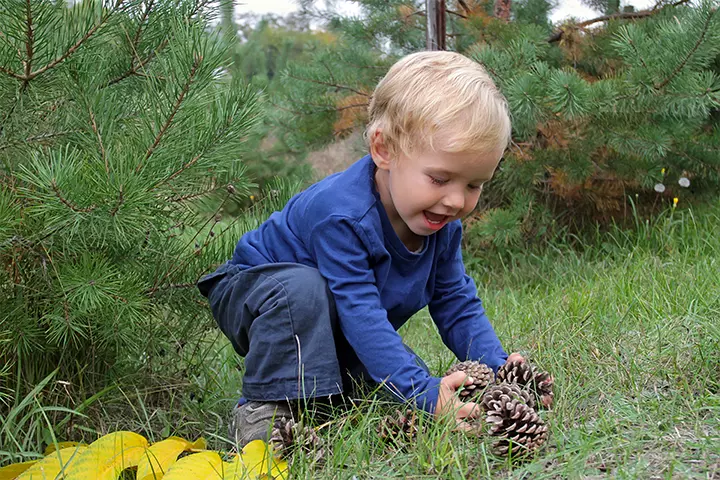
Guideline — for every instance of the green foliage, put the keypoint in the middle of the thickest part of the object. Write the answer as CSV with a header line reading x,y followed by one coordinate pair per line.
x,y
624,319
117,130
599,116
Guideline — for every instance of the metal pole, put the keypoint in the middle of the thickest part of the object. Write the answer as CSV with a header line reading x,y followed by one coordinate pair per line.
x,y
435,33
431,31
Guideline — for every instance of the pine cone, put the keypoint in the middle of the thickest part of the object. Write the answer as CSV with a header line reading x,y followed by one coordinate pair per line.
x,y
525,375
400,427
521,430
516,372
287,436
543,386
503,393
481,374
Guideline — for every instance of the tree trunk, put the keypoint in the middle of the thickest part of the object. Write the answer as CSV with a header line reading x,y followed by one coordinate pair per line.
x,y
435,34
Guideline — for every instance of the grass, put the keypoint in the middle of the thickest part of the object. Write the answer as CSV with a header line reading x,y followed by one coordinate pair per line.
x,y
628,324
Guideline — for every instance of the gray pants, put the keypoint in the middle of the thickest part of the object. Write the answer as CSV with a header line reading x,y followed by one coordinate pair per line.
x,y
281,317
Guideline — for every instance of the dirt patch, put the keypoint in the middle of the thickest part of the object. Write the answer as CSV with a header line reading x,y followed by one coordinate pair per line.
x,y
338,155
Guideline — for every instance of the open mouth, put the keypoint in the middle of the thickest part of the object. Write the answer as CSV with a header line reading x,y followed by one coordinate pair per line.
x,y
434,220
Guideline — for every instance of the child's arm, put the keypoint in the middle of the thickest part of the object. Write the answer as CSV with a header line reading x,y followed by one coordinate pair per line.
x,y
341,249
458,312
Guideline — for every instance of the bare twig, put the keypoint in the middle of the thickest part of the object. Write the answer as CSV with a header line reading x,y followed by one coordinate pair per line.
x,y
176,107
689,54
615,16
457,14
464,6
327,84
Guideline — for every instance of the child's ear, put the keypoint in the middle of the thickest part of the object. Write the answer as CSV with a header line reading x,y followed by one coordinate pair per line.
x,y
379,150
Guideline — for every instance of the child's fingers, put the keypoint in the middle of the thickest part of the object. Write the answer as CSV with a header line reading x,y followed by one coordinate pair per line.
x,y
468,427
469,410
457,380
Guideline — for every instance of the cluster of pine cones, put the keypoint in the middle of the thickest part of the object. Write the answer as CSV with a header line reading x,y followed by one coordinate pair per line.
x,y
288,435
509,402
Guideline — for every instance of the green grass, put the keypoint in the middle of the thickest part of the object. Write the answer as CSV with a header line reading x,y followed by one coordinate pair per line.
x,y
628,322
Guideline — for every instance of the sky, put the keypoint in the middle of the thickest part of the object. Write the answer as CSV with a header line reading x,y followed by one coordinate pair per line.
x,y
565,9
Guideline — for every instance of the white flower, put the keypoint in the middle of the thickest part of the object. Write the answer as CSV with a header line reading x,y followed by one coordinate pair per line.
x,y
659,187
684,182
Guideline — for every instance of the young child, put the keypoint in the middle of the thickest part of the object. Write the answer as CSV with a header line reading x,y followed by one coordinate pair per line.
x,y
314,297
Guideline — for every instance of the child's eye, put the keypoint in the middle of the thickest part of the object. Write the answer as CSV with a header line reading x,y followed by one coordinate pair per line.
x,y
438,181
474,187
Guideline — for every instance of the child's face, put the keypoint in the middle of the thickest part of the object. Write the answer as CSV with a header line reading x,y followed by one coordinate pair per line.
x,y
425,191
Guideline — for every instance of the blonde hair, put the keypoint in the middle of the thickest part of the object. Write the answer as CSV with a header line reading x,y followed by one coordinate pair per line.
x,y
434,95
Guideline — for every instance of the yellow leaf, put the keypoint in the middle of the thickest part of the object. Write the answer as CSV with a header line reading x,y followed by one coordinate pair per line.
x,y
11,472
108,456
257,461
198,466
50,466
60,445
158,458
199,444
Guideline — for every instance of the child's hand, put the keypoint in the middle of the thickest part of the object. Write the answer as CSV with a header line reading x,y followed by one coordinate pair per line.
x,y
515,357
449,404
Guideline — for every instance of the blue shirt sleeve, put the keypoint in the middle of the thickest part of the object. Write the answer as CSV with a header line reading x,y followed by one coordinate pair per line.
x,y
458,312
341,251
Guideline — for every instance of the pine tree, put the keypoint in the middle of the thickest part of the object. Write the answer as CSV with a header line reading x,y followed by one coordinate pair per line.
x,y
603,110
118,131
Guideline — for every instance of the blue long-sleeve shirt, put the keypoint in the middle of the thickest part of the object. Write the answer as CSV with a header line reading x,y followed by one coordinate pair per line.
x,y
340,227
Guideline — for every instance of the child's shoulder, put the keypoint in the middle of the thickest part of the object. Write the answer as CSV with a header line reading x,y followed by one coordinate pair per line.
x,y
347,194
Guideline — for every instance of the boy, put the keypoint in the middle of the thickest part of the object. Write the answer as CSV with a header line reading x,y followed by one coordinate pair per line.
x,y
313,298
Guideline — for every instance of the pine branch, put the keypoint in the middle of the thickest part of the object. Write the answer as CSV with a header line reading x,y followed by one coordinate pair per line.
x,y
71,50
195,195
183,168
176,266
121,199
11,73
36,138
67,203
615,16
176,107
141,23
133,45
151,291
134,68
690,53
632,44
30,42
100,142
3,36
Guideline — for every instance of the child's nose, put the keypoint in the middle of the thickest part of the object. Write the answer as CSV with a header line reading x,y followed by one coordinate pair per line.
x,y
454,201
